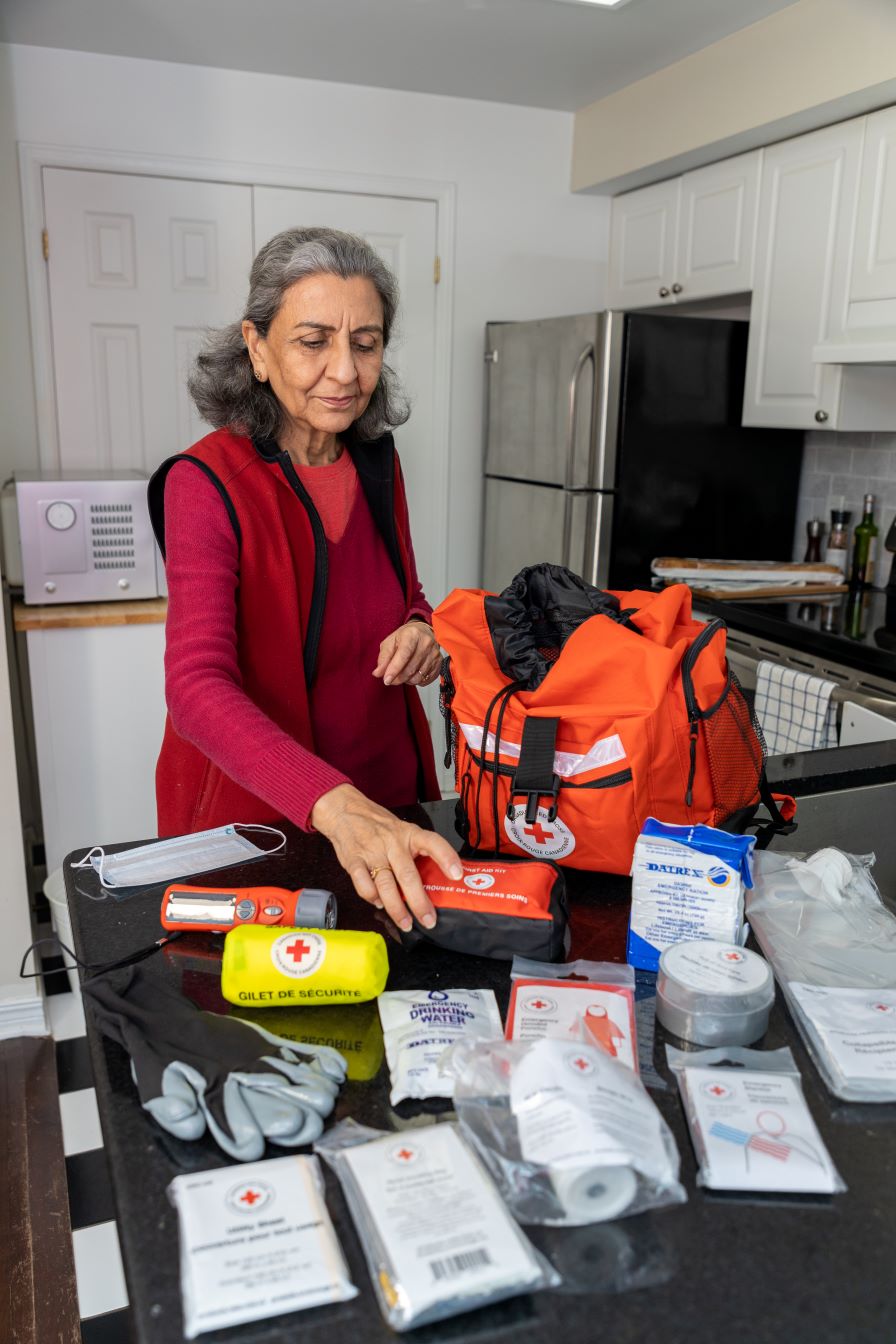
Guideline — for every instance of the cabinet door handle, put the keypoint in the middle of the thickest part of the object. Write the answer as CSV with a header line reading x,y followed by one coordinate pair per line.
x,y
664,292
676,288
821,416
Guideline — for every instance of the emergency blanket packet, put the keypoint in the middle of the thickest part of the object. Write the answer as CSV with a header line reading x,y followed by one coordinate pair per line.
x,y
496,909
418,1027
547,1000
749,1122
436,1235
569,1133
831,942
256,1241
687,883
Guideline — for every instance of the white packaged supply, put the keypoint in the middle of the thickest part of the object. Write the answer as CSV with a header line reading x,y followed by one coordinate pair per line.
x,y
714,993
749,1122
552,1000
418,1027
256,1241
436,1235
831,942
569,1133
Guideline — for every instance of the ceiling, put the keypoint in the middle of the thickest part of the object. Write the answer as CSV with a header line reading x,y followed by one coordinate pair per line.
x,y
537,53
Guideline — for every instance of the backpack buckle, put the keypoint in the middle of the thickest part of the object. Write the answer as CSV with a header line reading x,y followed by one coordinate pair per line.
x,y
534,777
533,798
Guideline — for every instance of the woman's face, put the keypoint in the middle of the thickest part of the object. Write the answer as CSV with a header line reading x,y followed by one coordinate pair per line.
x,y
323,352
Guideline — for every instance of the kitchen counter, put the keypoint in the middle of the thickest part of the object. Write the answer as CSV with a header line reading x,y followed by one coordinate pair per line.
x,y
78,615
757,1269
856,629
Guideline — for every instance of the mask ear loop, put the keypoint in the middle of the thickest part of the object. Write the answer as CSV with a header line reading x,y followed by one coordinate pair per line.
x,y
98,868
270,830
91,968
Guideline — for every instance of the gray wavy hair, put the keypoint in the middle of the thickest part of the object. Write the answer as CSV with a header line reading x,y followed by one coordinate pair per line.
x,y
222,383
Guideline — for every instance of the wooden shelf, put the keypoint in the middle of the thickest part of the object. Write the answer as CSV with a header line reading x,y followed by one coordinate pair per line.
x,y
71,616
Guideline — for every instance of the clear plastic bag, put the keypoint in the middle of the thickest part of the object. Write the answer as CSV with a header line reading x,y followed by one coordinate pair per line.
x,y
569,1133
831,942
749,1122
436,1236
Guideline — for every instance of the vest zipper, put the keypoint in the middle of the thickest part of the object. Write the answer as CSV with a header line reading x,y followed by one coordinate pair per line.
x,y
690,699
321,568
446,696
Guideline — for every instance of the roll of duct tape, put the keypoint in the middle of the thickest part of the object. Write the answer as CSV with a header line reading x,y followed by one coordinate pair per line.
x,y
316,909
595,1194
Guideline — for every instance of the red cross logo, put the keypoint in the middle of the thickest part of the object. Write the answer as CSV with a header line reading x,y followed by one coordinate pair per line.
x,y
250,1197
718,1091
882,1008
733,956
580,1063
539,835
405,1154
298,950
538,1003
479,880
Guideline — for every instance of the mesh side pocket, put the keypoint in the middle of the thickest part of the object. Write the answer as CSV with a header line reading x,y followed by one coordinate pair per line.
x,y
736,750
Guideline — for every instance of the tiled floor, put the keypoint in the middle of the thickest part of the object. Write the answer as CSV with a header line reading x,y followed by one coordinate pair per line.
x,y
102,1294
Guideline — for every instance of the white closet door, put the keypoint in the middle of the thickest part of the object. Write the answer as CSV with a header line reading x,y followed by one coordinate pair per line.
x,y
138,266
403,232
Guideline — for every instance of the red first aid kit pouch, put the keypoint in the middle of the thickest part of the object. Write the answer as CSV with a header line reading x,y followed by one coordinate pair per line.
x,y
502,910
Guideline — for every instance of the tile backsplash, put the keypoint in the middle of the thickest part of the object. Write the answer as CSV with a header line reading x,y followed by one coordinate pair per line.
x,y
847,466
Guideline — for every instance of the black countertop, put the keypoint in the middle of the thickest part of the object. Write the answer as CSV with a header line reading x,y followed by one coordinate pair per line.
x,y
857,629
759,1269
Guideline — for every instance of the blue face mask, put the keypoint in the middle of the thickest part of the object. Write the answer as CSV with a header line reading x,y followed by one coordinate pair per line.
x,y
177,858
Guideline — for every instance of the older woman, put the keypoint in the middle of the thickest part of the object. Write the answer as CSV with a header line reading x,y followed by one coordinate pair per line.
x,y
297,628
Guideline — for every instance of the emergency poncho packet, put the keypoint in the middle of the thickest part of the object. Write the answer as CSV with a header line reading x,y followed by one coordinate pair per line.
x,y
418,1027
436,1235
559,1000
749,1122
569,1133
256,1241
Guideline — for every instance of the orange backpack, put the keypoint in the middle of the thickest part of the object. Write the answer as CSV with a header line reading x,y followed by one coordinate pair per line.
x,y
573,714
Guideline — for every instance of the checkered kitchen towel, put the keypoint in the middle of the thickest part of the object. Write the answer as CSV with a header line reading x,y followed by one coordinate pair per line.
x,y
794,709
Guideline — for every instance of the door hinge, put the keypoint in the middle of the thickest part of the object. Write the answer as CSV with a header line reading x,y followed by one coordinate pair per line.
x,y
45,244
437,270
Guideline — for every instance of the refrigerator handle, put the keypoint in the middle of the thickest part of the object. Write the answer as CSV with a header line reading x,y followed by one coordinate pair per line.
x,y
587,353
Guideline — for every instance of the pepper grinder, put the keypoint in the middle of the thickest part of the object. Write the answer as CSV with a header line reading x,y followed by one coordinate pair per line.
x,y
813,546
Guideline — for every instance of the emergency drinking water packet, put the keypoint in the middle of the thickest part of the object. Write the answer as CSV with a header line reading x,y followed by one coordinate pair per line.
x,y
687,883
180,856
436,1235
418,1027
749,1122
256,1240
548,1000
569,1133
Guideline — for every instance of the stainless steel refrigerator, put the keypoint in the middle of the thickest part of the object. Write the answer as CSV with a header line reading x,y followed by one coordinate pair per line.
x,y
612,438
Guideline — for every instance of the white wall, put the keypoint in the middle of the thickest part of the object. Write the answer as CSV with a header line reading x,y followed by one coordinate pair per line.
x,y
525,247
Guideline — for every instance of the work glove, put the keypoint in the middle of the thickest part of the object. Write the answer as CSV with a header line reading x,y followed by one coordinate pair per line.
x,y
197,1070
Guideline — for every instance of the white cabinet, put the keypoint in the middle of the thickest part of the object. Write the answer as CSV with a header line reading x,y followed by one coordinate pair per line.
x,y
643,240
689,238
99,713
807,198
865,306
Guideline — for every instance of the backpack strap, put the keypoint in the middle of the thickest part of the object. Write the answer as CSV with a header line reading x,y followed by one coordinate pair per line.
x,y
534,777
781,809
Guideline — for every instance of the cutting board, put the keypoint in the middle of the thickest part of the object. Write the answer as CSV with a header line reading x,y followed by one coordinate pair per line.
x,y
804,592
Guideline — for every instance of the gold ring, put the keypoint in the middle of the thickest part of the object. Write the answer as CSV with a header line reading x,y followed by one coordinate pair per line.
x,y
383,869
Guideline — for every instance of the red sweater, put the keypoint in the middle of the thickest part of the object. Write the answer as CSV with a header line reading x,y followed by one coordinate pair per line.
x,y
360,726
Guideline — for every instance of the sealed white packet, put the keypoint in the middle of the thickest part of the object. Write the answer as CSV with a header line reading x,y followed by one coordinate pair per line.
x,y
750,1125
418,1027
256,1240
437,1237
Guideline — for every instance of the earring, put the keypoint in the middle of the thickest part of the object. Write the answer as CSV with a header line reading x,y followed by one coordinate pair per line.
x,y
260,376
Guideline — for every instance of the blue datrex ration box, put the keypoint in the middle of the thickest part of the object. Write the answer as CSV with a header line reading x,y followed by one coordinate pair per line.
x,y
687,883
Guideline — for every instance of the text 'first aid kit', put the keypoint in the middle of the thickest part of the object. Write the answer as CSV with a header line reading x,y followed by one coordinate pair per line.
x,y
272,966
499,910
572,714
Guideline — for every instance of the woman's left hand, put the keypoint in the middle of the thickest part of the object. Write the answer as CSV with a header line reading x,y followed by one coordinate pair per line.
x,y
410,655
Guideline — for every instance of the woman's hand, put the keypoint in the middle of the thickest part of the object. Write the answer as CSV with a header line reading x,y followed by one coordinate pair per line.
x,y
410,654
378,851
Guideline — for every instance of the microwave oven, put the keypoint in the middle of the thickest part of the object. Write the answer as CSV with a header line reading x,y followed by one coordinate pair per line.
x,y
80,536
